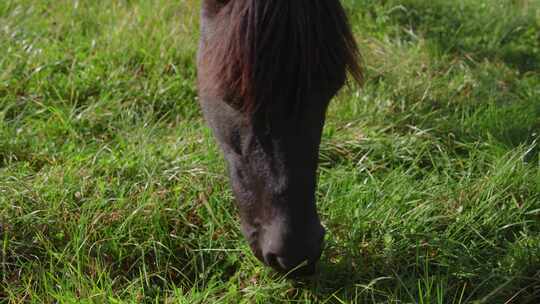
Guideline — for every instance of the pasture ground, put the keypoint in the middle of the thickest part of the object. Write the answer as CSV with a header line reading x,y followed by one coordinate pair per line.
x,y
112,189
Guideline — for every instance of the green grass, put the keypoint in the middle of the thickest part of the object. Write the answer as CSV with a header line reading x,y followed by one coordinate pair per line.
x,y
112,188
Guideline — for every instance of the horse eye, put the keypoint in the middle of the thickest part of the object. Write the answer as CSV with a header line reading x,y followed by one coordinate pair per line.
x,y
221,3
235,141
213,7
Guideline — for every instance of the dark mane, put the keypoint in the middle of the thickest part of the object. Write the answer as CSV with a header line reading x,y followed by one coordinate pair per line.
x,y
278,52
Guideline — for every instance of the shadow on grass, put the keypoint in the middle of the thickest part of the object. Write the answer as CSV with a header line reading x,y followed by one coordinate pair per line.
x,y
344,282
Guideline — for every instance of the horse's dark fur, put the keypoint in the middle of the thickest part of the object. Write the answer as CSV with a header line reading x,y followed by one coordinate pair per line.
x,y
276,52
267,71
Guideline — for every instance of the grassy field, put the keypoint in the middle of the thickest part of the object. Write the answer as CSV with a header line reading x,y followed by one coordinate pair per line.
x,y
112,189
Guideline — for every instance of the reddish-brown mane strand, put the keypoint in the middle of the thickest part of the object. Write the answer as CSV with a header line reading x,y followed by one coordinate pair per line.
x,y
278,52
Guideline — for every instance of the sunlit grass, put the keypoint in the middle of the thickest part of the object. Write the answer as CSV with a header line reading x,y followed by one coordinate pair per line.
x,y
112,188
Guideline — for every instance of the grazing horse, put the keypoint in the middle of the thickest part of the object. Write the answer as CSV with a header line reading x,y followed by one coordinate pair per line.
x,y
267,70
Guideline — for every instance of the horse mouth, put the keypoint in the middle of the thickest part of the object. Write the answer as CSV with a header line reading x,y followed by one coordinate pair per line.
x,y
303,268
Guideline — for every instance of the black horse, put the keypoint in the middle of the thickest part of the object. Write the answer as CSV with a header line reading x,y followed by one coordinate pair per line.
x,y
267,70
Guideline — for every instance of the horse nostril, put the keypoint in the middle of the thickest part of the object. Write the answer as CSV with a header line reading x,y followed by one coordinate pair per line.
x,y
302,261
271,260
292,252
277,262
